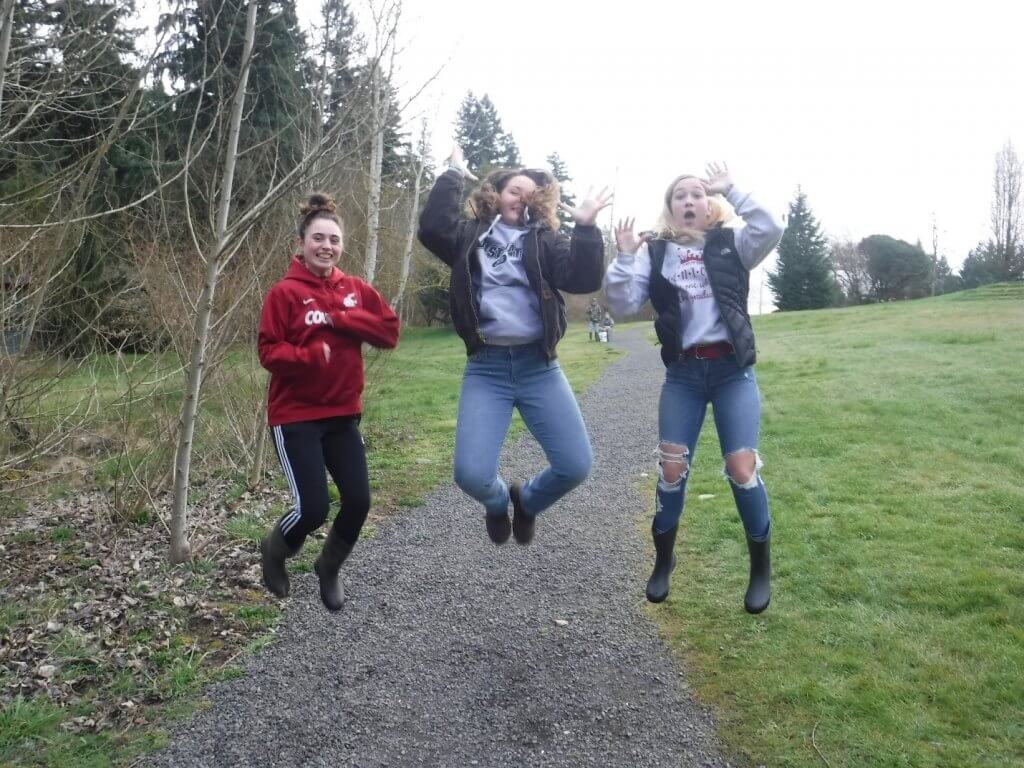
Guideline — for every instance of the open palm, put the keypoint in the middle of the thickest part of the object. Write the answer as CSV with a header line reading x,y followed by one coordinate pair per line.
x,y
586,212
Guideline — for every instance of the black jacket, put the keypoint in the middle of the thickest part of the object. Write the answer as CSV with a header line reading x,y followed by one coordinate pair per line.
x,y
553,262
730,283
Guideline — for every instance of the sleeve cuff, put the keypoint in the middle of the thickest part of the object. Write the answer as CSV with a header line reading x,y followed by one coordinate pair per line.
x,y
736,197
587,230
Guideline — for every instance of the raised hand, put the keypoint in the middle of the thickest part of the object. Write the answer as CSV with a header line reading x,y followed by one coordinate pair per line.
x,y
457,161
586,212
718,181
625,239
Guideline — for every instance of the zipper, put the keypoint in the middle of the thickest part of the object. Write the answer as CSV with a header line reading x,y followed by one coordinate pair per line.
x,y
673,307
540,278
469,289
711,282
544,293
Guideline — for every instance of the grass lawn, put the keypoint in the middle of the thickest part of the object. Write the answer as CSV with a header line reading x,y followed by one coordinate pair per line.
x,y
894,459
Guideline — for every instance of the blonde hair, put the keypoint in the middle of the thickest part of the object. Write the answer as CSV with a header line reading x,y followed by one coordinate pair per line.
x,y
482,204
318,205
719,213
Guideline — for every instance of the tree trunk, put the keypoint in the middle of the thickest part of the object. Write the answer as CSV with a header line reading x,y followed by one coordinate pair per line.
x,y
414,209
256,471
376,162
180,549
7,14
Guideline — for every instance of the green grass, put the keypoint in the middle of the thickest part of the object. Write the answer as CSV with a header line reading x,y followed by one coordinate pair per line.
x,y
892,443
30,736
31,732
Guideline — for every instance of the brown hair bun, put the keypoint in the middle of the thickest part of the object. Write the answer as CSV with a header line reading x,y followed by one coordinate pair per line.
x,y
317,202
319,205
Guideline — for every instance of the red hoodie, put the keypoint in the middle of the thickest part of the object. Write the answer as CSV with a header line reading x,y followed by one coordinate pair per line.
x,y
300,314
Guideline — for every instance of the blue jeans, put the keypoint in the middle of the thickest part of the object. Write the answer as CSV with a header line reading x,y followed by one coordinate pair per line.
x,y
732,391
497,379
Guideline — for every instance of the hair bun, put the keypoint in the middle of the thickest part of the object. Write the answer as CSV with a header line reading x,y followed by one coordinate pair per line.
x,y
317,202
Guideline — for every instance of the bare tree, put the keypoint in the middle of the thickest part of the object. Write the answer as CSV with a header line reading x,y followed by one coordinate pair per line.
x,y
850,268
180,550
7,19
43,222
414,210
375,173
1006,210
386,18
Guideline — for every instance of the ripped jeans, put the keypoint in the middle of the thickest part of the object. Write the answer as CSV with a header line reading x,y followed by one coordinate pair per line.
x,y
736,403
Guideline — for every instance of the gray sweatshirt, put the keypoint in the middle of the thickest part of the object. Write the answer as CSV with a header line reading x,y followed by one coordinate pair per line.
x,y
509,308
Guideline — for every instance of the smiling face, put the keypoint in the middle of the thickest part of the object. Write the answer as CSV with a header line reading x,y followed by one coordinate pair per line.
x,y
688,205
513,198
321,246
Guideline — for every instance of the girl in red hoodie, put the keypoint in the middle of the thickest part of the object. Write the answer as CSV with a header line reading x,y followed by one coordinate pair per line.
x,y
313,325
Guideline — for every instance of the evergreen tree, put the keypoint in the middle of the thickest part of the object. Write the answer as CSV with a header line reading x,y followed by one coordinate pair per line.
x,y
981,266
561,174
336,69
510,157
484,142
897,269
69,75
945,280
803,277
397,148
208,37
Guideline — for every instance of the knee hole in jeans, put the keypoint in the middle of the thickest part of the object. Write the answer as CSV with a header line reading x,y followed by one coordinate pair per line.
x,y
741,468
673,464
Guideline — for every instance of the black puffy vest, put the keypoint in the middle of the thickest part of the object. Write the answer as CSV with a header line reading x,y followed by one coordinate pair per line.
x,y
730,284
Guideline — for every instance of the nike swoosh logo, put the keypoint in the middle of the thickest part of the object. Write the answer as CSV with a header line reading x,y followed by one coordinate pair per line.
x,y
306,301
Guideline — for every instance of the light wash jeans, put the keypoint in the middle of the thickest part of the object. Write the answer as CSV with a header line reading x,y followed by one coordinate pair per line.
x,y
732,391
497,379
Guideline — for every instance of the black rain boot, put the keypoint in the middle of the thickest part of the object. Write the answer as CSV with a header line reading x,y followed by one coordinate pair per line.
x,y
522,521
498,527
275,551
759,591
335,551
664,564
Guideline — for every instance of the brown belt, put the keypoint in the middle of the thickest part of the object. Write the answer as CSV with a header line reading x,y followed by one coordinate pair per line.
x,y
707,351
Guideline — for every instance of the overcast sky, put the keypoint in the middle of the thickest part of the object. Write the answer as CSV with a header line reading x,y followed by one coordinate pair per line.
x,y
886,113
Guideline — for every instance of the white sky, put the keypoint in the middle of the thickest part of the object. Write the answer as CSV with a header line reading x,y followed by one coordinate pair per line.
x,y
886,113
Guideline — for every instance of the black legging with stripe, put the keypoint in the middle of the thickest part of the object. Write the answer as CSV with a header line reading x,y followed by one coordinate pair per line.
x,y
308,450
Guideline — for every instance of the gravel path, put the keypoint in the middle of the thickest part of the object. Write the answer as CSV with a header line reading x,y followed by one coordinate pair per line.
x,y
448,653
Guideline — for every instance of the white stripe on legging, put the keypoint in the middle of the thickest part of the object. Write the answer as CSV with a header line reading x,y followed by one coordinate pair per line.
x,y
288,521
